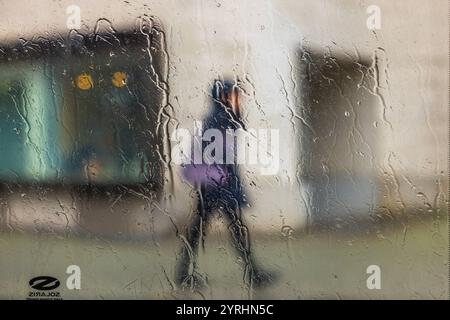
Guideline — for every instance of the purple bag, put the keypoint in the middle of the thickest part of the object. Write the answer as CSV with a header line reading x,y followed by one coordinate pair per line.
x,y
197,174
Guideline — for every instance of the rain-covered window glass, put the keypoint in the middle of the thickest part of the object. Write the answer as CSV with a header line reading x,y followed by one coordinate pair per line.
x,y
273,149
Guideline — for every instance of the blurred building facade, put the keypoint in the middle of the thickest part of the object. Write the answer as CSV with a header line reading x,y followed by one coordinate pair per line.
x,y
385,149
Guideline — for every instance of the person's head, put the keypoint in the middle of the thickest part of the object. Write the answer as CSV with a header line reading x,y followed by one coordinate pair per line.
x,y
227,94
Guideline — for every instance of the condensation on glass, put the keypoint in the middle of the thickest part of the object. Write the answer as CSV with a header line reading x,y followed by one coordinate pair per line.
x,y
88,123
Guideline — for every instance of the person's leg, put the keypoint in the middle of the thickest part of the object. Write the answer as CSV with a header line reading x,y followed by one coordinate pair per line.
x,y
187,275
253,275
240,236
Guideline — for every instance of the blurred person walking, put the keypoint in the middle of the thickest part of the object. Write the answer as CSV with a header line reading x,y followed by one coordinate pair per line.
x,y
219,188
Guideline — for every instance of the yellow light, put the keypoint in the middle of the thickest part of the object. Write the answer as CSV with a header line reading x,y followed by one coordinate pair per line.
x,y
119,79
84,81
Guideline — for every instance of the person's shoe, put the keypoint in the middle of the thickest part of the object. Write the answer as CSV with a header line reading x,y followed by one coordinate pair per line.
x,y
263,278
192,282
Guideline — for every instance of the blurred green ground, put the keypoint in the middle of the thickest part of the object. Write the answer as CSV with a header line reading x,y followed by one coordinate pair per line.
x,y
413,263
